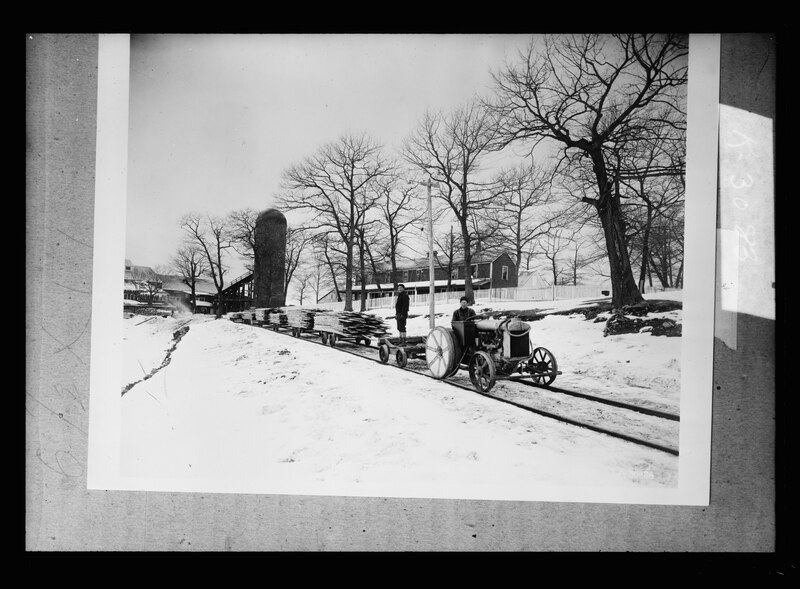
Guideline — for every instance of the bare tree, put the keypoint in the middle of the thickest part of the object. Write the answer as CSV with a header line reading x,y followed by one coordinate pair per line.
x,y
448,149
211,235
371,246
520,209
318,278
593,95
655,186
584,255
242,224
666,251
484,231
366,237
321,266
552,248
334,185
190,264
333,261
447,247
297,240
399,211
148,282
304,282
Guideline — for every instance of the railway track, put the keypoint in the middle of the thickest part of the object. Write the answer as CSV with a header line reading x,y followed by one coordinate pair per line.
x,y
507,392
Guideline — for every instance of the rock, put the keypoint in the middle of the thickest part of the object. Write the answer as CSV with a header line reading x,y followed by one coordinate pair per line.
x,y
177,335
591,313
651,306
618,324
667,327
638,310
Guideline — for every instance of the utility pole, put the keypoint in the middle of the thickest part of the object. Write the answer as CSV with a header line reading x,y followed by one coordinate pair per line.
x,y
432,290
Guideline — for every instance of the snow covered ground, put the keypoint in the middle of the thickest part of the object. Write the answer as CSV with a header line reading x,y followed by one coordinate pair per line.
x,y
632,366
244,409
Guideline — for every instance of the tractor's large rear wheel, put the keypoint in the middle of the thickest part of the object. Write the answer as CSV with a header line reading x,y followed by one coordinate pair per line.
x,y
442,352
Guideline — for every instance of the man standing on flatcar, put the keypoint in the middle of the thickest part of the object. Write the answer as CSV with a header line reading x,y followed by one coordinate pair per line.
x,y
401,311
464,311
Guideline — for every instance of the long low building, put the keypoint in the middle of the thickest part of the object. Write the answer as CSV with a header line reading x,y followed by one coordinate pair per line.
x,y
488,270
423,286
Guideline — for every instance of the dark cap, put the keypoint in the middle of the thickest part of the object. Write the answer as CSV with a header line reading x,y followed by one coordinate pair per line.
x,y
463,299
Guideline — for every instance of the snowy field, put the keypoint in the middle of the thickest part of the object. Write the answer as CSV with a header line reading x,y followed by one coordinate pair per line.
x,y
244,409
636,366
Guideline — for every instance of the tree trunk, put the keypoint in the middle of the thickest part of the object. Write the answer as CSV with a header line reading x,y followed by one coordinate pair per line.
x,y
333,274
467,263
528,257
317,282
665,266
375,274
624,290
450,256
657,269
363,269
575,268
220,304
669,265
348,275
645,247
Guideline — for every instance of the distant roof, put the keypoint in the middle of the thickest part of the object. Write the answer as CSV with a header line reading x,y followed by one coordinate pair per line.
x,y
424,284
140,273
441,262
175,283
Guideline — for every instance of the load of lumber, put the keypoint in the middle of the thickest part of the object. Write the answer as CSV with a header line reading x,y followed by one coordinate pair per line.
x,y
262,315
351,324
277,317
302,317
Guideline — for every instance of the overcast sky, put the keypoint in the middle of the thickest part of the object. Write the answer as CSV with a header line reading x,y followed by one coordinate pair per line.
x,y
215,119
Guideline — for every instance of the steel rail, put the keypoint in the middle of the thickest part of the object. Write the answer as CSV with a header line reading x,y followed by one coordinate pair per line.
x,y
620,404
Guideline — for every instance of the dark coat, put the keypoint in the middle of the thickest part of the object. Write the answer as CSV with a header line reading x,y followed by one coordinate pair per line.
x,y
401,306
462,314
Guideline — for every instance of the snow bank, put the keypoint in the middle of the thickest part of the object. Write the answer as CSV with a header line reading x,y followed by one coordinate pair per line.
x,y
638,366
241,408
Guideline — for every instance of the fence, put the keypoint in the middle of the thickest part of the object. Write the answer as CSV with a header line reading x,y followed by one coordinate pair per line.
x,y
549,293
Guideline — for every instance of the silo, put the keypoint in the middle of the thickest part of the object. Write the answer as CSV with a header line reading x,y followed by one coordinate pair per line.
x,y
270,259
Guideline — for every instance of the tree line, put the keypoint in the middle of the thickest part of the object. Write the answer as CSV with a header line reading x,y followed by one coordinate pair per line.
x,y
600,122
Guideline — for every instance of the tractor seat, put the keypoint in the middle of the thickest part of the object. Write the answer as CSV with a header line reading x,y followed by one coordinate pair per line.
x,y
466,331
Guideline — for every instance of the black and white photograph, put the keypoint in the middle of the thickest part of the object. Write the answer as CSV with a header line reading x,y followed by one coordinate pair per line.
x,y
459,266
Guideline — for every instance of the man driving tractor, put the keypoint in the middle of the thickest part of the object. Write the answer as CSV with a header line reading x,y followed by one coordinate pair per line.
x,y
464,311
